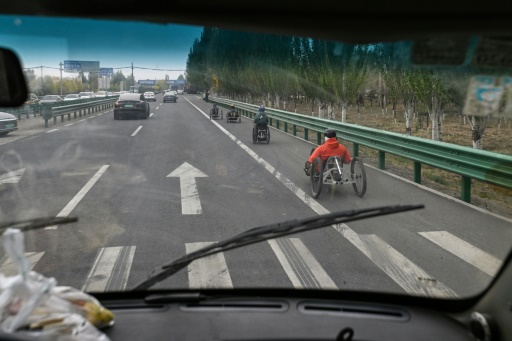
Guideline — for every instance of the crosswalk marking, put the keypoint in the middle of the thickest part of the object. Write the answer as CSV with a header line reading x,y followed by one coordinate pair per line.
x,y
111,269
8,268
465,251
208,272
412,278
300,265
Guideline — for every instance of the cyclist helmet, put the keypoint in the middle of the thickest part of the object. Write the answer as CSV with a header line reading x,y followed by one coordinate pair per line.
x,y
330,133
261,109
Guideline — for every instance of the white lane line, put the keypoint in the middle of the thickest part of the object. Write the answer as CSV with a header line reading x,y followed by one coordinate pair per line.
x,y
51,131
465,251
12,177
151,115
111,269
208,272
413,279
101,114
92,116
69,125
8,268
81,120
136,130
347,232
157,108
300,265
79,196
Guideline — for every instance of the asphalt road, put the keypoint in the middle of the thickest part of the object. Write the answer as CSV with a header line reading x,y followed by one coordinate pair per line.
x,y
121,179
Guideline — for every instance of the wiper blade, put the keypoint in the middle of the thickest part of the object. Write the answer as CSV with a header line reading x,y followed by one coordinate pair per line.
x,y
271,231
33,224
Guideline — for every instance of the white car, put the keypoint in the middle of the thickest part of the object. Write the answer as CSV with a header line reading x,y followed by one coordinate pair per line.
x,y
100,94
180,92
72,97
110,93
150,96
85,94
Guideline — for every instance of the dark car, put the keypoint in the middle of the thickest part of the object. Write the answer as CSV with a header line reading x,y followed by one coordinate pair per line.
x,y
8,123
170,97
131,105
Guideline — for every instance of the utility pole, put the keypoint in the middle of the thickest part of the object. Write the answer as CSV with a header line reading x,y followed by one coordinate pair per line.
x,y
61,77
133,80
42,80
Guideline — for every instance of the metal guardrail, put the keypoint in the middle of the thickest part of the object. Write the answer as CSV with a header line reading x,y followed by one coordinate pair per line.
x,y
470,163
88,107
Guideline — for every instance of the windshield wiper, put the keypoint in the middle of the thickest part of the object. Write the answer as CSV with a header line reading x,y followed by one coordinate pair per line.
x,y
33,224
271,231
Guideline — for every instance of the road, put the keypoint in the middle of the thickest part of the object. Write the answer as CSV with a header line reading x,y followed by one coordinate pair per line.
x,y
129,183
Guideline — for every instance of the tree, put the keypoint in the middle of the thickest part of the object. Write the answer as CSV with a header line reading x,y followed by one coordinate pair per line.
x,y
48,86
160,85
181,78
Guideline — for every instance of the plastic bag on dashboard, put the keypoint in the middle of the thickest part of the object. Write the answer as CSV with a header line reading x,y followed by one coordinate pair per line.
x,y
34,305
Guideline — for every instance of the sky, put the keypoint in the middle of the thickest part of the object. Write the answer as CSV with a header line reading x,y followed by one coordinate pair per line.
x,y
49,41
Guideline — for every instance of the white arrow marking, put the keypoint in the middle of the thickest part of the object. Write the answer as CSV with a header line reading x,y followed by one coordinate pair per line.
x,y
12,177
190,203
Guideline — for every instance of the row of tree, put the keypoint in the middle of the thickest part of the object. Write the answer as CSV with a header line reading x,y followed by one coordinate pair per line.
x,y
276,70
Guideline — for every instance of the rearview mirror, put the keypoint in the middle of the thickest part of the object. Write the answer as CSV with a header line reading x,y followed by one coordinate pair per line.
x,y
13,87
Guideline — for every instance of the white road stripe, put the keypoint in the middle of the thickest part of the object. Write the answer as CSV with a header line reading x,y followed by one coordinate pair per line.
x,y
82,120
151,115
137,130
111,269
92,116
157,108
300,265
347,232
79,196
68,125
101,113
465,251
8,268
51,131
208,272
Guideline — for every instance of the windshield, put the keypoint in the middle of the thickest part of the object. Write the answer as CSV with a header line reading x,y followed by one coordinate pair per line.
x,y
158,178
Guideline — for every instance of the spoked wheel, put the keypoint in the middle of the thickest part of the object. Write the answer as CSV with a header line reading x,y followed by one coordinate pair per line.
x,y
359,176
268,136
317,172
254,136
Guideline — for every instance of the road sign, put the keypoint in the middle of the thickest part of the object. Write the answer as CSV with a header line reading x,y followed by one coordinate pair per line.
x,y
106,71
175,82
150,82
72,65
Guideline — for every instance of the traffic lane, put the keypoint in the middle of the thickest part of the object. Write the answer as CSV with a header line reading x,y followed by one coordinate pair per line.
x,y
288,154
126,212
402,235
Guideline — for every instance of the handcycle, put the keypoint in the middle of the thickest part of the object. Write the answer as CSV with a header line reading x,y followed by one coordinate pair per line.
x,y
260,133
333,172
214,113
234,116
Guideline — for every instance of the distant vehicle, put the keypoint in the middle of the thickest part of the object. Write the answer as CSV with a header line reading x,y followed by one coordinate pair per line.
x,y
101,94
51,99
117,93
32,99
72,97
180,92
150,96
8,123
170,97
110,93
85,94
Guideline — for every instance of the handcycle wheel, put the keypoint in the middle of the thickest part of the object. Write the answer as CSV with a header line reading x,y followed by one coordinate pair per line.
x,y
359,176
316,177
254,135
268,136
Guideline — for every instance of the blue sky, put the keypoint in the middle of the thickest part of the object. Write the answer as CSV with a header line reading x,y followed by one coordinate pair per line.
x,y
49,41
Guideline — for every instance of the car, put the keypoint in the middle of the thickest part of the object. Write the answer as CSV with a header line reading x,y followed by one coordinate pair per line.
x,y
131,105
110,93
117,93
8,123
50,99
32,99
180,92
72,97
182,196
170,97
84,95
150,96
100,94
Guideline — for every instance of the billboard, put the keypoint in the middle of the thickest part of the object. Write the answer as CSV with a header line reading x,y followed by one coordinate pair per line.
x,y
106,71
176,82
150,82
81,65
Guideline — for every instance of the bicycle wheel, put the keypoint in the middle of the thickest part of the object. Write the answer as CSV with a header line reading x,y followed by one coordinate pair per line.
x,y
316,177
359,176
268,136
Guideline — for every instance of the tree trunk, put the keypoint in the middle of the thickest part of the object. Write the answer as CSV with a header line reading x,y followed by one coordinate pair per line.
x,y
344,106
408,114
394,108
312,107
277,102
330,112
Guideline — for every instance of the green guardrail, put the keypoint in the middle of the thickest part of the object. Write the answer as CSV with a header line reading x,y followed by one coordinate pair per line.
x,y
469,163
85,108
